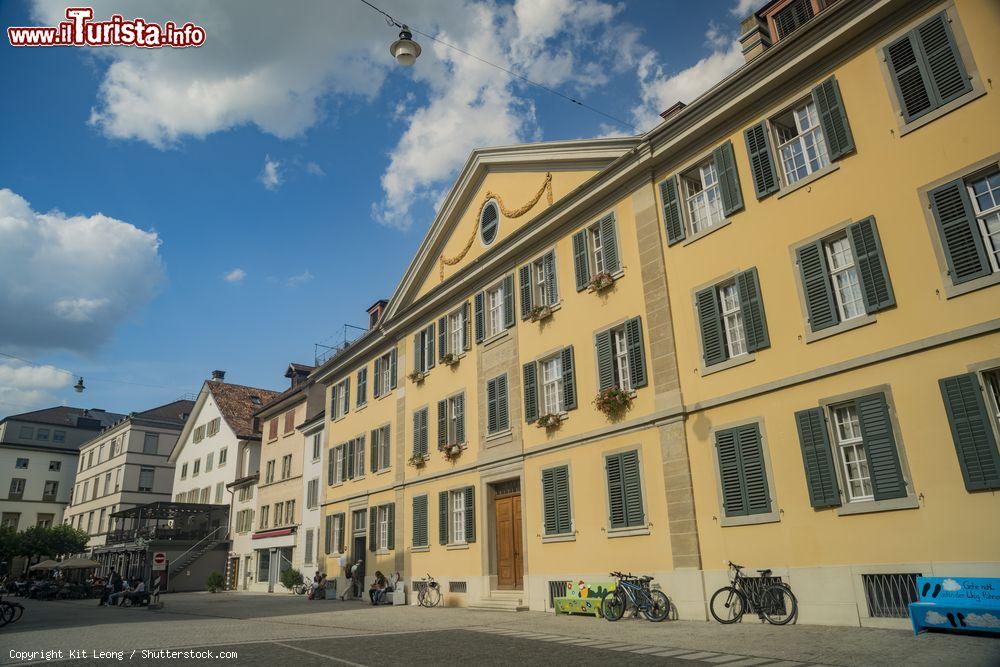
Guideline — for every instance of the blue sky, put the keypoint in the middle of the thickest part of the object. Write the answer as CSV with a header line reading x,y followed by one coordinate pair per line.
x,y
103,148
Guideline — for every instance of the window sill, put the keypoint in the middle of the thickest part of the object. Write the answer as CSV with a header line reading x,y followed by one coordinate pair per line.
x,y
457,546
419,550
382,471
952,290
732,362
753,519
802,182
382,552
847,325
565,537
929,117
868,506
359,408
631,531
492,438
705,232
495,338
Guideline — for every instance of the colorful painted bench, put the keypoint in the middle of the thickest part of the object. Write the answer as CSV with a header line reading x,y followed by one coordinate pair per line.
x,y
956,603
583,597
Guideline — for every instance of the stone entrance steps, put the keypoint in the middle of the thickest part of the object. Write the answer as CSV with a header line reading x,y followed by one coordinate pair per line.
x,y
501,601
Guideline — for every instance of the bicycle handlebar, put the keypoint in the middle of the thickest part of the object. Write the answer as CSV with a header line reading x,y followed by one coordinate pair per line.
x,y
735,566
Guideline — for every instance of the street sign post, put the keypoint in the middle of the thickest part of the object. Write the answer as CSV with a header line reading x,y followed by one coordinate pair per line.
x,y
159,561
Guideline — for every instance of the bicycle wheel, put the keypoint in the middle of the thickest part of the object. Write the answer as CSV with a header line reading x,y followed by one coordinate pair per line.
x,y
613,605
6,613
778,605
432,595
727,605
659,606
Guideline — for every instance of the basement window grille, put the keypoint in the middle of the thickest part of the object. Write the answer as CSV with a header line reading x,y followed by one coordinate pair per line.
x,y
557,589
457,586
754,585
889,595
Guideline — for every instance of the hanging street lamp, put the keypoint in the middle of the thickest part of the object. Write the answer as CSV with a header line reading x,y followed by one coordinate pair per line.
x,y
404,49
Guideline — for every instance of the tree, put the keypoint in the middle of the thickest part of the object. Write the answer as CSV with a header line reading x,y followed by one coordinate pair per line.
x,y
215,582
50,541
10,545
291,577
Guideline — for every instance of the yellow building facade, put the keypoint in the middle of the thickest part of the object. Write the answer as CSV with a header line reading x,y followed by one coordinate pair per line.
x,y
764,332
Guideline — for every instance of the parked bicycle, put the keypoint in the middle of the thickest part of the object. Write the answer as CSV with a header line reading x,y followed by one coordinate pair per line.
x,y
10,612
430,592
773,603
634,592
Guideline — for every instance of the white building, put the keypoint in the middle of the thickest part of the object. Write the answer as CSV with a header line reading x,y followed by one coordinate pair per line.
x,y
39,451
124,466
313,428
220,444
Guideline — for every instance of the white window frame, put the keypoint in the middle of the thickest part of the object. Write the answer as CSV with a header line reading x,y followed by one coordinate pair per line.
x,y
595,244
551,372
619,350
991,240
702,196
209,461
312,493
317,443
732,318
991,380
847,435
335,547
286,466
456,516
455,332
51,488
787,144
383,528
55,466
382,448
385,371
17,485
152,478
223,456
539,286
844,278
22,463
494,310
454,416
339,452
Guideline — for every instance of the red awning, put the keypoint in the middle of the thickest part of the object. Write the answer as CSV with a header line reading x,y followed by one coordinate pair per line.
x,y
272,533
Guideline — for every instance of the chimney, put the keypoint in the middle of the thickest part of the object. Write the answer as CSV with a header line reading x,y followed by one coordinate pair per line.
x,y
755,38
218,376
677,106
375,313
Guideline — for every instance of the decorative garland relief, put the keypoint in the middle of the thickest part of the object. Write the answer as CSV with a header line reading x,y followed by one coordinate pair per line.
x,y
546,189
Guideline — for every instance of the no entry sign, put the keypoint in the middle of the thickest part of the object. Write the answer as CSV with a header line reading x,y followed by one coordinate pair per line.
x,y
159,560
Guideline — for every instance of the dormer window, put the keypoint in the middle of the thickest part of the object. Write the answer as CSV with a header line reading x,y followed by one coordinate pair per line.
x,y
255,400
790,18
489,223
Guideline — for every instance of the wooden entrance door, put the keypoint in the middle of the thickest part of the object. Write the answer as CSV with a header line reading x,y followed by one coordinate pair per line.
x,y
510,562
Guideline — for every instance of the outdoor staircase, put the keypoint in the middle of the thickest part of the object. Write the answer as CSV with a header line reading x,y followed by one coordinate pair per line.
x,y
501,601
191,556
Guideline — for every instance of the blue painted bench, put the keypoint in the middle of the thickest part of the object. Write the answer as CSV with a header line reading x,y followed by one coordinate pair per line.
x,y
956,603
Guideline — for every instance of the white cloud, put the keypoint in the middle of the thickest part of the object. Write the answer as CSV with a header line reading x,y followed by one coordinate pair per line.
x,y
24,387
983,620
660,90
314,169
235,276
934,618
300,279
742,8
951,585
69,281
270,175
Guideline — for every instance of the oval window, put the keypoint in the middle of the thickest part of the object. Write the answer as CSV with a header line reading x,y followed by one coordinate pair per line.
x,y
489,221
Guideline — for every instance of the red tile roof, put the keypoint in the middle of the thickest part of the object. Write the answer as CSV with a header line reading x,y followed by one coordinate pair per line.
x,y
238,404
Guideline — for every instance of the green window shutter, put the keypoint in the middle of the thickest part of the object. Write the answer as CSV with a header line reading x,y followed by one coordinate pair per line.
x,y
959,232
420,521
330,464
443,338
470,514
730,474
765,180
880,445
524,276
418,354
362,396
632,487
349,460
423,431
460,426
429,357
328,533
443,517
508,301
817,457
909,75
605,361
344,463
372,528
340,532
503,413
569,379
972,432
609,244
530,392
391,540
480,317
347,395
442,423
752,307
616,492
713,338
580,263
948,77
466,338
672,219
816,286
551,518
392,368
373,454
636,353
492,407
833,118
752,464
564,517
416,433
872,268
551,283
729,179
377,384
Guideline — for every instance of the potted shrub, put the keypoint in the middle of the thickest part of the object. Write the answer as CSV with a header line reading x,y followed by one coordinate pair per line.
x,y
601,281
548,421
215,582
613,402
417,461
449,359
539,313
291,578
417,376
451,452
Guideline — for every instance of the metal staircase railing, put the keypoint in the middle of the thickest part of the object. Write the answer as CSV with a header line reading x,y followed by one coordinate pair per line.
x,y
185,559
